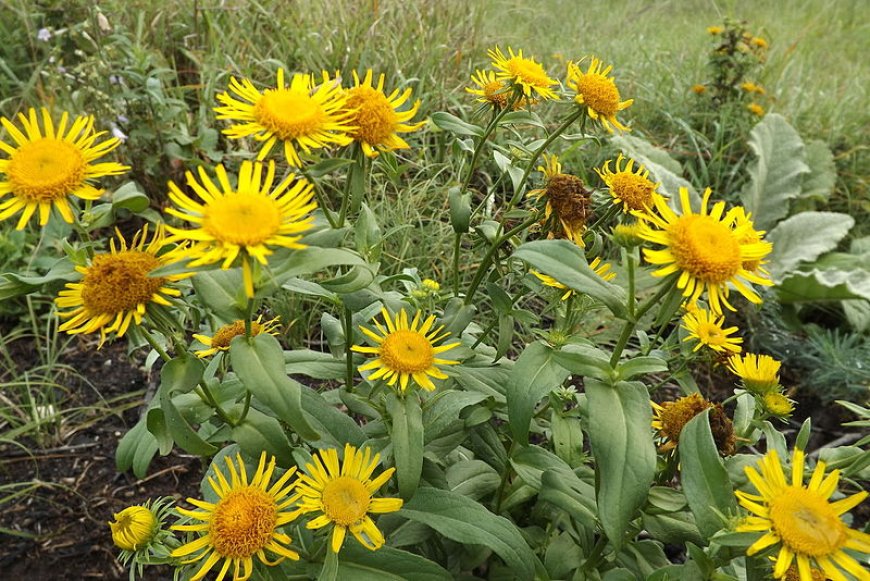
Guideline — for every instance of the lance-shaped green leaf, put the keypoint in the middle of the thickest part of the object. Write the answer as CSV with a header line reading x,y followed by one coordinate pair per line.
x,y
455,125
705,480
335,427
534,375
223,292
565,490
566,263
585,360
182,374
776,176
465,521
260,365
387,564
407,437
619,433
259,432
136,450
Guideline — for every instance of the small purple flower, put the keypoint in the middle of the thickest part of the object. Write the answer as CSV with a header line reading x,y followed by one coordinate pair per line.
x,y
43,34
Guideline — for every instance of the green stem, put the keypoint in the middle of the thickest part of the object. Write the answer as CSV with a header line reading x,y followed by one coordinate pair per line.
x,y
348,341
595,554
154,344
203,391
630,264
630,324
249,315
321,200
457,246
475,157
359,165
571,118
487,259
504,477
611,211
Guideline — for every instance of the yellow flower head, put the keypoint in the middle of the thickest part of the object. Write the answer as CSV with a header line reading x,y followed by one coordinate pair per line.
x,y
490,90
376,116
431,285
46,166
627,235
755,109
241,221
699,89
758,42
568,202
598,93
601,269
746,233
800,520
631,188
243,523
760,373
777,404
116,289
752,88
714,30
343,495
671,417
133,527
704,249
406,351
224,335
303,115
523,72
707,329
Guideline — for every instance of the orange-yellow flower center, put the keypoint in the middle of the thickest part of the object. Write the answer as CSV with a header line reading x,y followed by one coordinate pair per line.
x,y
407,351
527,72
599,93
806,523
116,283
494,92
375,118
46,169
711,334
345,500
243,218
243,522
635,191
225,334
705,248
289,114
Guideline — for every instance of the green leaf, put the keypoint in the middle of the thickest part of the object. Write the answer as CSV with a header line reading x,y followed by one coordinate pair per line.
x,y
386,564
804,237
444,409
567,438
530,463
472,478
454,124
259,363
534,375
327,166
136,450
259,432
407,437
623,449
705,480
776,175
130,197
460,209
223,292
465,521
819,183
641,366
566,263
181,375
585,360
825,285
310,260
564,490
336,428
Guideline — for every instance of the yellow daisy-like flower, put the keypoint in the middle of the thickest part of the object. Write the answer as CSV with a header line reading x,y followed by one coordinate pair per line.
x,y
758,42
801,520
567,201
753,88
704,249
343,495
524,72
699,89
406,351
46,166
746,233
133,527
631,188
714,30
490,90
243,523
241,221
376,116
116,289
707,329
598,93
224,335
755,109
303,115
601,269
671,417
760,373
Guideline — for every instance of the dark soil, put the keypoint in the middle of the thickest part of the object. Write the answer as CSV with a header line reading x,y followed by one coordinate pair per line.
x,y
63,520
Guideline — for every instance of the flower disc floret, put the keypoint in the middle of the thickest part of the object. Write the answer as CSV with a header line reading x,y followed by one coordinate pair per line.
x,y
800,520
244,523
522,72
670,418
242,222
304,115
48,164
343,495
225,334
704,249
377,117
406,350
598,93
633,189
117,289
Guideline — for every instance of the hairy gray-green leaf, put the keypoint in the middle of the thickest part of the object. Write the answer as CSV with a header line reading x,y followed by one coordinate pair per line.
x,y
804,237
819,183
776,175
